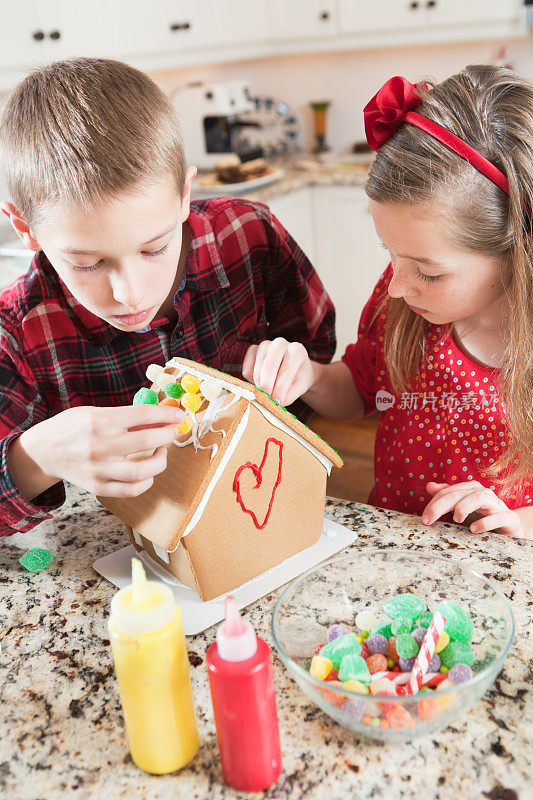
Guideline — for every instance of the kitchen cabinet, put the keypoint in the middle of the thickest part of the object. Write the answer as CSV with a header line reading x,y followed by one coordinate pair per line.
x,y
422,16
169,34
349,258
302,19
296,213
333,226
39,31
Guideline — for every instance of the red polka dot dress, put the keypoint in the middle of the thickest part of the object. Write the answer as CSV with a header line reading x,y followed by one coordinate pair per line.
x,y
446,429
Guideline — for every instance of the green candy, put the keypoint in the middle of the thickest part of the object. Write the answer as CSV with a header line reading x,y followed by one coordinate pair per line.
x,y
36,559
406,646
459,626
400,625
404,605
354,668
340,647
457,653
145,397
383,627
425,620
174,390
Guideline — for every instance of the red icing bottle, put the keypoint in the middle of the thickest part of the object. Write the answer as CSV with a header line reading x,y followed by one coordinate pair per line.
x,y
241,679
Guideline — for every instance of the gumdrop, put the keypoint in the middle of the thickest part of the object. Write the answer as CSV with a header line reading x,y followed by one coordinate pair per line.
x,y
406,646
354,707
377,643
458,624
383,627
145,397
457,653
355,686
400,625
460,673
174,390
406,664
434,664
340,647
418,635
354,668
366,619
425,620
36,559
399,717
320,667
335,630
443,640
392,649
404,605
428,708
376,663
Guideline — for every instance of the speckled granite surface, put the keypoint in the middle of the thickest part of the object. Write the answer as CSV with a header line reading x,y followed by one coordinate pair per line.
x,y
60,717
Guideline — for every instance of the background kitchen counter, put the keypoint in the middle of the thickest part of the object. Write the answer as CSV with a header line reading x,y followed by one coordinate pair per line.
x,y
62,728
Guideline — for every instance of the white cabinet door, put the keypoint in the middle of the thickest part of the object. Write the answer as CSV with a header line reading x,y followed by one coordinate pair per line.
x,y
20,36
295,212
348,259
245,21
302,19
359,16
75,29
456,12
194,25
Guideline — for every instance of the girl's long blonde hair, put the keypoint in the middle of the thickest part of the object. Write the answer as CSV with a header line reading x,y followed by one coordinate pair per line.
x,y
491,108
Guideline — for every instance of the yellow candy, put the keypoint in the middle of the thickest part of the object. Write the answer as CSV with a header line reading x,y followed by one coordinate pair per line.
x,y
191,402
190,383
444,640
445,700
185,426
320,667
355,686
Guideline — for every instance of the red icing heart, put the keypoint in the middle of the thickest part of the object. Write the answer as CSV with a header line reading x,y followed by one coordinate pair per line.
x,y
258,472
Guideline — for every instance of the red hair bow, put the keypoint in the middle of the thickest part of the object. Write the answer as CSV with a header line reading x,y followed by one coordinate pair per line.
x,y
385,112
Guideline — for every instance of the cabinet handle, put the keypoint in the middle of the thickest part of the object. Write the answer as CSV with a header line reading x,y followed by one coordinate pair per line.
x,y
55,35
414,5
38,36
324,16
431,3
180,26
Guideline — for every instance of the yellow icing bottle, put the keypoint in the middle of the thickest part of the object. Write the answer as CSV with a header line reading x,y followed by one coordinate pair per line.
x,y
152,667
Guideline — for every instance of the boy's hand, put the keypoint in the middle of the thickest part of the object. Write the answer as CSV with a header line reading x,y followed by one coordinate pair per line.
x,y
89,447
471,497
282,369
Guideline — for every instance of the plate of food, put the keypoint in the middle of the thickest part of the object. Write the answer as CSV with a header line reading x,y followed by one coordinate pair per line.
x,y
232,176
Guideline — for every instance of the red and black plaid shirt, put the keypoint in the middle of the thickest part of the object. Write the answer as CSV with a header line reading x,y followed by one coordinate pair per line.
x,y
246,280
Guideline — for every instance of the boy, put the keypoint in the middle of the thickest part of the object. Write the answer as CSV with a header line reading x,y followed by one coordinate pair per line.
x,y
127,272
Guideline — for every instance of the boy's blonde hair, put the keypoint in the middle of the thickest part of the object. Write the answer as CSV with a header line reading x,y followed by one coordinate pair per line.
x,y
491,108
83,130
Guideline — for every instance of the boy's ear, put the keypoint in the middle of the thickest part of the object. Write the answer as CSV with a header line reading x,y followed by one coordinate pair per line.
x,y
190,175
20,225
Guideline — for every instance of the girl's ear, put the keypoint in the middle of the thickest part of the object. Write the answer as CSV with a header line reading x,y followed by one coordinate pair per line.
x,y
190,175
20,226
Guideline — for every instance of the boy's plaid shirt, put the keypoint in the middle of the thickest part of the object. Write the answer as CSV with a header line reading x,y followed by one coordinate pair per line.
x,y
245,280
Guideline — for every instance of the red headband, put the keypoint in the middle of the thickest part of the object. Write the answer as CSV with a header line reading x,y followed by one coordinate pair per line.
x,y
395,103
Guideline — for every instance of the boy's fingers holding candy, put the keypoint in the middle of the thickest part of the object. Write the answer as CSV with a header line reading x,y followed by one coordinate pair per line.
x,y
146,416
266,373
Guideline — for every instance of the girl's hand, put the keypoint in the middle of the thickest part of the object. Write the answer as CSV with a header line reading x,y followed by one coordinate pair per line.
x,y
282,369
471,497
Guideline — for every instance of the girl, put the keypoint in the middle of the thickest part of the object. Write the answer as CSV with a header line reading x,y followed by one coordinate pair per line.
x,y
445,346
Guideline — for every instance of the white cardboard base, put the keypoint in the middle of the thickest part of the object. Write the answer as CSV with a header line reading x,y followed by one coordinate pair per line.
x,y
199,615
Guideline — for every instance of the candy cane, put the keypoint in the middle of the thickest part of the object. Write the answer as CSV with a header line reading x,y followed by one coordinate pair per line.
x,y
426,652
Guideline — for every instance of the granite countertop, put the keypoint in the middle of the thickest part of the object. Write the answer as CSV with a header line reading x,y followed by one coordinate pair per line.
x,y
60,716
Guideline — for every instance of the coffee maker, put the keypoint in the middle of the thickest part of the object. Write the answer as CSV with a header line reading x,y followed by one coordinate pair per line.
x,y
213,122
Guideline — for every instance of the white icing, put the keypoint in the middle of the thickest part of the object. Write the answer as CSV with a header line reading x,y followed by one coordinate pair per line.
x,y
137,537
161,552
230,387
218,472
153,371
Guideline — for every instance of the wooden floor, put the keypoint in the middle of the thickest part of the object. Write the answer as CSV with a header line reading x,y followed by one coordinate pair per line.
x,y
354,442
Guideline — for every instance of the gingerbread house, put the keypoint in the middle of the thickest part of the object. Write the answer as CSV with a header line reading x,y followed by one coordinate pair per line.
x,y
244,488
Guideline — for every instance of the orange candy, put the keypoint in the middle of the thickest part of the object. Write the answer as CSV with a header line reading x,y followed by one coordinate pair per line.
x,y
170,401
392,652
399,717
376,663
333,697
428,709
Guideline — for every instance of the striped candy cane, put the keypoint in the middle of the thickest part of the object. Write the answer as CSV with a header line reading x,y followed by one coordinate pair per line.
x,y
426,652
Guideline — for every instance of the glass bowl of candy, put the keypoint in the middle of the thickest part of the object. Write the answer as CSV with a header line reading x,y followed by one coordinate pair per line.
x,y
392,643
